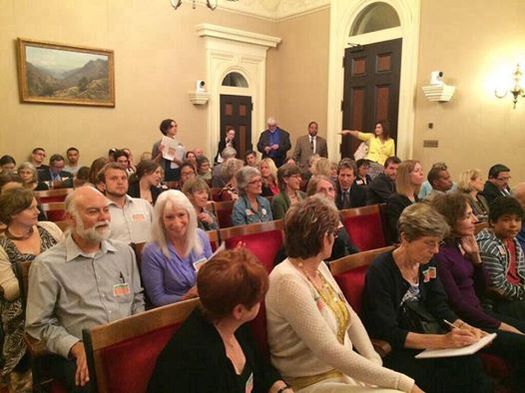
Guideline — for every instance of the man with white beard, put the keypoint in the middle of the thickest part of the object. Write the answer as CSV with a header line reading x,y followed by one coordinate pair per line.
x,y
84,281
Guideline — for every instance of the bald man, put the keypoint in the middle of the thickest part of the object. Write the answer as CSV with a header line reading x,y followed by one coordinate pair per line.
x,y
519,194
87,266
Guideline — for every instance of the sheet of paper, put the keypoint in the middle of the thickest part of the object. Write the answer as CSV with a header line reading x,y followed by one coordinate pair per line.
x,y
171,150
463,351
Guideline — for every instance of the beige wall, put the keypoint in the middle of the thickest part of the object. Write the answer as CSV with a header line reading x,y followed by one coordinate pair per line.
x,y
297,80
158,58
471,41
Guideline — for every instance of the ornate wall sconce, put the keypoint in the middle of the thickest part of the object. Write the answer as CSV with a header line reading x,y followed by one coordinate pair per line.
x,y
517,90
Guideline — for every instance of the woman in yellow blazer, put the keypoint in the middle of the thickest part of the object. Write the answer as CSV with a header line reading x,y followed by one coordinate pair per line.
x,y
380,145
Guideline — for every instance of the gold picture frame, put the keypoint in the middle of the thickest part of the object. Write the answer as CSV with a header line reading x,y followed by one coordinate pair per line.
x,y
53,73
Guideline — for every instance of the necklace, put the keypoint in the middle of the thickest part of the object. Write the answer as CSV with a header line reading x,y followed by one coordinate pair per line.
x,y
23,237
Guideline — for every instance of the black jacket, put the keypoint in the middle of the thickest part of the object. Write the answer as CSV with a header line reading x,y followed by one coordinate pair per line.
x,y
394,207
45,176
134,191
491,192
357,197
195,361
380,189
284,145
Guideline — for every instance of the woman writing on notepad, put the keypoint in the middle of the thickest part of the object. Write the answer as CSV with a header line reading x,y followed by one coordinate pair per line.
x,y
404,304
461,271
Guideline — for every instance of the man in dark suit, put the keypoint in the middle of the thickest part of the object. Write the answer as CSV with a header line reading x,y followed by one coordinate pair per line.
x,y
349,194
384,185
308,145
56,177
274,143
498,183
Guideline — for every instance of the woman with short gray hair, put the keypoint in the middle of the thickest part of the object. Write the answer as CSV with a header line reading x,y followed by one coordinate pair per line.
x,y
251,207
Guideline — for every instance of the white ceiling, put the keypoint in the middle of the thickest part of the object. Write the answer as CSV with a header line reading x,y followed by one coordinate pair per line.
x,y
274,9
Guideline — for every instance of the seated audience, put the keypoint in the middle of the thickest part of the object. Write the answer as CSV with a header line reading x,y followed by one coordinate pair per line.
x,y
130,217
250,158
269,177
9,180
55,176
363,178
229,170
191,158
38,156
111,154
198,192
7,164
343,244
504,259
169,261
317,342
402,289
131,164
148,181
29,176
408,180
82,177
95,168
460,268
23,239
497,183
426,187
199,152
203,168
72,155
168,128
471,183
250,207
228,141
289,176
146,156
321,166
121,157
348,193
214,351
519,194
217,179
86,266
187,172
383,186
440,181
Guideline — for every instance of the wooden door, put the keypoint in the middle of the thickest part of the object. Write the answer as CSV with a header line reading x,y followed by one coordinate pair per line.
x,y
236,112
371,89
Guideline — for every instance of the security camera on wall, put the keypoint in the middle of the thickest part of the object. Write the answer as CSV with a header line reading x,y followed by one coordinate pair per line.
x,y
200,86
436,78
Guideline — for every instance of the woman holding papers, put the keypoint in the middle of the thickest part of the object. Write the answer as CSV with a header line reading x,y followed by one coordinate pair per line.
x,y
178,246
169,160
405,305
461,271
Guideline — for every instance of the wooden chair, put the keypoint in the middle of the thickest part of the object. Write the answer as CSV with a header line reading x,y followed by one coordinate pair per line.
x,y
55,211
350,272
55,195
223,212
215,193
264,239
122,355
480,226
365,226
214,239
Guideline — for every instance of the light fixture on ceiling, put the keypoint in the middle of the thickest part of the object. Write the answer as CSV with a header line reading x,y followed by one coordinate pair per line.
x,y
517,90
211,4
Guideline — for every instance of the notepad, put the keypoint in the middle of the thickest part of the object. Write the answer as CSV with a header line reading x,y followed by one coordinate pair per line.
x,y
452,352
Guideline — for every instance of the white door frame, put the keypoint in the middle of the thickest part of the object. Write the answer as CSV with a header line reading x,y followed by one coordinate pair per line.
x,y
229,50
343,13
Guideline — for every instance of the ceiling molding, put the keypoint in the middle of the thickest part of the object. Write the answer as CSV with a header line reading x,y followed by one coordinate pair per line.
x,y
227,33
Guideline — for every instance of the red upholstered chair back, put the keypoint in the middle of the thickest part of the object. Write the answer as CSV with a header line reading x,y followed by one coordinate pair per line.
x,y
264,240
55,211
260,335
223,211
350,272
122,355
365,227
48,196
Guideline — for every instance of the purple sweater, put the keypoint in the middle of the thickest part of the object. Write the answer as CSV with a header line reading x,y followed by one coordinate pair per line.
x,y
461,280
166,280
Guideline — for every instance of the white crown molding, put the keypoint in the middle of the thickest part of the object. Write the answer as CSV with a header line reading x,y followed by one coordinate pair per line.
x,y
229,34
270,10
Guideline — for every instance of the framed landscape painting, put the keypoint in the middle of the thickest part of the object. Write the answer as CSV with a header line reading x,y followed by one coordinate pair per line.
x,y
63,74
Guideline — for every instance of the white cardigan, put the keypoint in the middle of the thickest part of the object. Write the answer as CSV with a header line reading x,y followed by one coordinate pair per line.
x,y
303,339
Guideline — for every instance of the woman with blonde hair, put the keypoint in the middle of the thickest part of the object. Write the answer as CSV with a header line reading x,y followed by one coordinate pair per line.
x,y
178,246
322,166
471,183
409,179
269,177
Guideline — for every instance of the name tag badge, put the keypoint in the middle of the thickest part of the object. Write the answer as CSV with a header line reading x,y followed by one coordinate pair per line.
x,y
198,264
249,212
139,217
121,289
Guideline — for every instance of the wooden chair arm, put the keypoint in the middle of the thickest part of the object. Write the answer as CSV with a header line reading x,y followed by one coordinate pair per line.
x,y
36,347
383,348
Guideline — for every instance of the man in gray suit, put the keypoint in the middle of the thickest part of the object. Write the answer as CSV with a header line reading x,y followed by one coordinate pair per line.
x,y
308,145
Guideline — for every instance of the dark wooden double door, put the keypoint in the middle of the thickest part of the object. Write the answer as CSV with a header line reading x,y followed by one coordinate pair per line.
x,y
371,89
236,112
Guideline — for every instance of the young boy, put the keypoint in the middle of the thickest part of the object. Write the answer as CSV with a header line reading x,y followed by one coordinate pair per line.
x,y
503,257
